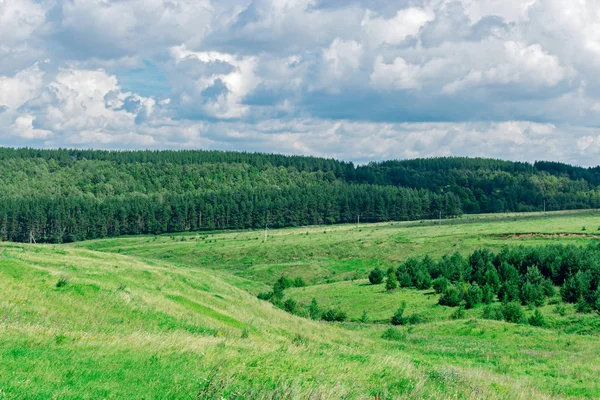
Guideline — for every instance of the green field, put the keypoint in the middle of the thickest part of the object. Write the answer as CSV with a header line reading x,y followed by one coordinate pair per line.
x,y
176,316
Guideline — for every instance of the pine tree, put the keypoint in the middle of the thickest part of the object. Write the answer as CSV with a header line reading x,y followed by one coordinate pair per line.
x,y
391,282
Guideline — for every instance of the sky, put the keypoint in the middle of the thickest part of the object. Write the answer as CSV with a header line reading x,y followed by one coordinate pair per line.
x,y
351,79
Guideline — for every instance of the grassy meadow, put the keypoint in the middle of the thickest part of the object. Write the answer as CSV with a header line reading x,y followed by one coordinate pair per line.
x,y
176,317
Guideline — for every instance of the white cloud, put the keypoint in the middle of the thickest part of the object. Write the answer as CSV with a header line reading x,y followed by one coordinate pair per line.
x,y
343,57
509,10
529,65
18,20
23,127
16,90
407,22
239,82
397,75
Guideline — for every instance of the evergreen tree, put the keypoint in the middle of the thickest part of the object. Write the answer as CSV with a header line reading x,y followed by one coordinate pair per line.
x,y
473,296
537,319
391,282
376,276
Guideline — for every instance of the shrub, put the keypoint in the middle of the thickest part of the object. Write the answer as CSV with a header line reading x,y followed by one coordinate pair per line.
x,y
513,312
62,281
537,319
414,319
532,291
299,282
451,297
560,309
282,284
245,333
364,317
391,282
440,284
405,279
334,315
290,306
508,292
313,310
582,306
488,294
265,295
549,290
473,296
494,313
376,276
459,313
422,280
393,334
398,317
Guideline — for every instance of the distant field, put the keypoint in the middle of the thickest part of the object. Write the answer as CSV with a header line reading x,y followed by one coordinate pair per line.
x,y
329,253
176,316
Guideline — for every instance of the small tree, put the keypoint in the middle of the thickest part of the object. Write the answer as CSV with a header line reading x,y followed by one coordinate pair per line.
x,y
532,290
290,306
537,319
513,312
488,294
364,317
473,296
490,312
549,290
398,317
391,282
451,297
509,291
440,284
422,279
313,310
376,276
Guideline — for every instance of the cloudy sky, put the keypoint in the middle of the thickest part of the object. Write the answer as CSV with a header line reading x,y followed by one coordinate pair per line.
x,y
352,79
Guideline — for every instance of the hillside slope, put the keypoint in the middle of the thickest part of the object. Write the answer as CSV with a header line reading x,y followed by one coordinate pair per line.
x,y
146,318
124,329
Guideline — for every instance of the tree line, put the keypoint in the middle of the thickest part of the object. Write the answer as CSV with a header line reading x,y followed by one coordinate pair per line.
x,y
524,275
68,219
65,195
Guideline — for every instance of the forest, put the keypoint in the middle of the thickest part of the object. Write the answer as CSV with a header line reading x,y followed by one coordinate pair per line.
x,y
70,195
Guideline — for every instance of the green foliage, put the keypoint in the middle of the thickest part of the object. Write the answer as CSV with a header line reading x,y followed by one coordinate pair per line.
x,y
364,318
473,296
488,294
298,282
376,276
62,281
398,317
313,310
391,281
451,297
146,192
537,319
491,312
332,315
393,334
532,291
440,284
513,312
265,295
458,313
290,306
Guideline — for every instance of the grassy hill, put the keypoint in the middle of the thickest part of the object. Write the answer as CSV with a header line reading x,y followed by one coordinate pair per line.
x,y
177,317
